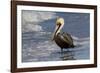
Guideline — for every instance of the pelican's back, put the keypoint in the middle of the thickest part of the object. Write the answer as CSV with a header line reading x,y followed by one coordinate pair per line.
x,y
64,40
67,38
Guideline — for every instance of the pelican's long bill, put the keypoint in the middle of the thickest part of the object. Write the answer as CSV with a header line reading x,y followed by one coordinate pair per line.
x,y
59,25
56,30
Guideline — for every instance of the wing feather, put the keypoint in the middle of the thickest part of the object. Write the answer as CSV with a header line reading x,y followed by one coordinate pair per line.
x,y
67,38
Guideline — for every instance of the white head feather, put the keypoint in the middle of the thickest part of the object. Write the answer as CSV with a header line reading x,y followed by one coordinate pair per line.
x,y
59,21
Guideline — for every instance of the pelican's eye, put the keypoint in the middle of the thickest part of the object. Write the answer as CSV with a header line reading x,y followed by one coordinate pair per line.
x,y
58,24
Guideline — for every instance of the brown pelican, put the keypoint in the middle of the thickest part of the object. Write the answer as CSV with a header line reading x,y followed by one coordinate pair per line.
x,y
62,39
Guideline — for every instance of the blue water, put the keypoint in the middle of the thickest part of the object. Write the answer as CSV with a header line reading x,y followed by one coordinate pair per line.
x,y
37,45
41,48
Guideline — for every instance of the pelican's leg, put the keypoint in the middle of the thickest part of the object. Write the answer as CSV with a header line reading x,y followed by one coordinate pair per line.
x,y
61,50
61,54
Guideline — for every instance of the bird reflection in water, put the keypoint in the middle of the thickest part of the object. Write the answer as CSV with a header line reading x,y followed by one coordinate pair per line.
x,y
67,55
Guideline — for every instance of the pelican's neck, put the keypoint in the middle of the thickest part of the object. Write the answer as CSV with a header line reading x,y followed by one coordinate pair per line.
x,y
58,30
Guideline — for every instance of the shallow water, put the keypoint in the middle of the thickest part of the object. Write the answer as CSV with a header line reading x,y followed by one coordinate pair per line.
x,y
38,27
37,46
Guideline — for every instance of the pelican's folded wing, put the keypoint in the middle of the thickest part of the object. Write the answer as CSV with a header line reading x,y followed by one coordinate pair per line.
x,y
67,37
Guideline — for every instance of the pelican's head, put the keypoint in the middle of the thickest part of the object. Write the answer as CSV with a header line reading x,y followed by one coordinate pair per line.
x,y
59,25
59,21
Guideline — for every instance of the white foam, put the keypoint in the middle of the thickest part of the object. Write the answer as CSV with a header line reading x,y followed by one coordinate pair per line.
x,y
31,19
